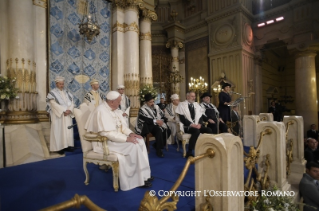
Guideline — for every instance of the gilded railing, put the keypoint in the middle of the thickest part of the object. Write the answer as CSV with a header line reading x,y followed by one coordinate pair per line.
x,y
250,160
152,203
289,149
75,202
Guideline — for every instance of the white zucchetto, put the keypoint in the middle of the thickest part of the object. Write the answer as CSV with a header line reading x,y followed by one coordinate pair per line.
x,y
112,95
174,97
120,87
59,79
94,81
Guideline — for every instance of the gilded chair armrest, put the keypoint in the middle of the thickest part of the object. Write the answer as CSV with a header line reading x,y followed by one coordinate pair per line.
x,y
94,137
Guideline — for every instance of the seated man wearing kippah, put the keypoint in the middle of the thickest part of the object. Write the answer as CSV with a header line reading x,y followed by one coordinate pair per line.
x,y
151,119
108,121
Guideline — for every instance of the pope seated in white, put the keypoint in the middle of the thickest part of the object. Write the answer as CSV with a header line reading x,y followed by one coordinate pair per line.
x,y
108,121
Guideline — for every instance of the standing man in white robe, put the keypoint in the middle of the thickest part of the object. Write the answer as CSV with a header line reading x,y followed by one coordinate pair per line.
x,y
108,121
94,97
60,106
172,118
125,104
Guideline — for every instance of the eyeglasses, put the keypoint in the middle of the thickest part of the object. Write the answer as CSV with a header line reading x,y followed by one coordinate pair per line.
x,y
120,89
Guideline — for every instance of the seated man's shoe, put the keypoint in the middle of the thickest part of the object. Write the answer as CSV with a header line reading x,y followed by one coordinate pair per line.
x,y
69,149
188,154
150,179
61,152
159,154
147,184
154,145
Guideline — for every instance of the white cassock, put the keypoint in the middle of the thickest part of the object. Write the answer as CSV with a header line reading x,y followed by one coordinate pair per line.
x,y
172,120
57,103
134,168
94,98
125,108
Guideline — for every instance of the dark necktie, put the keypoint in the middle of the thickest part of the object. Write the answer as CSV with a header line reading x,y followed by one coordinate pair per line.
x,y
191,109
155,113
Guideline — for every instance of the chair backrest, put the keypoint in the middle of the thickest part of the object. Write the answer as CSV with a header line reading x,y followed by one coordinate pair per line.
x,y
81,116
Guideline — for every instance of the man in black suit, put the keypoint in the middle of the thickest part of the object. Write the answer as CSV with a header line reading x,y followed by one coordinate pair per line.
x,y
313,133
311,151
309,186
191,116
212,115
162,104
235,119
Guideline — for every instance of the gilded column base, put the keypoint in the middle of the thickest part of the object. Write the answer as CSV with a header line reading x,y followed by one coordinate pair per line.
x,y
2,117
134,112
43,116
21,117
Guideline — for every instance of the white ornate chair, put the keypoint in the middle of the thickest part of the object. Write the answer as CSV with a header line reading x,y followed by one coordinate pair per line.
x,y
89,156
184,137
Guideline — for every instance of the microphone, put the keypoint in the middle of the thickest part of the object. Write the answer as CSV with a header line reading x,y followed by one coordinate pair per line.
x,y
71,126
236,93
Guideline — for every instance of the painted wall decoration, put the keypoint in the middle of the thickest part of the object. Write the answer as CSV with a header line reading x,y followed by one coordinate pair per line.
x,y
71,55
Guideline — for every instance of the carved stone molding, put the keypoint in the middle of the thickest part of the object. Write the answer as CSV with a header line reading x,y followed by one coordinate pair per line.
x,y
247,34
131,27
118,27
40,3
175,59
174,44
149,14
118,4
224,35
146,36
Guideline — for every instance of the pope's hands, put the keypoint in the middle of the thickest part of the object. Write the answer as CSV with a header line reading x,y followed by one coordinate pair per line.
x,y
124,114
132,140
135,135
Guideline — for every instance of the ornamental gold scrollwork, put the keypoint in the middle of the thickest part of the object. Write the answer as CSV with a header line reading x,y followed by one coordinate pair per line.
x,y
40,3
152,203
146,36
118,27
75,202
174,44
131,27
250,160
151,15
289,149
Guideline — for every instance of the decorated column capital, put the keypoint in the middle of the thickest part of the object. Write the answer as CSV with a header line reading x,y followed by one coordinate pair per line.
x,y
149,15
174,44
118,4
303,49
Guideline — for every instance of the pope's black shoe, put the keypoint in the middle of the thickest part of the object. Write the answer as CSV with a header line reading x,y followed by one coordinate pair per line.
x,y
147,184
150,179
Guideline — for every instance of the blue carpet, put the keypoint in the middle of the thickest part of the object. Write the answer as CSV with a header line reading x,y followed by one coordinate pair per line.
x,y
38,185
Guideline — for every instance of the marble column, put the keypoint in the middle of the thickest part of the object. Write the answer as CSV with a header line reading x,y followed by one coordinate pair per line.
x,y
174,45
258,84
117,45
182,93
40,57
131,56
146,74
306,87
20,29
